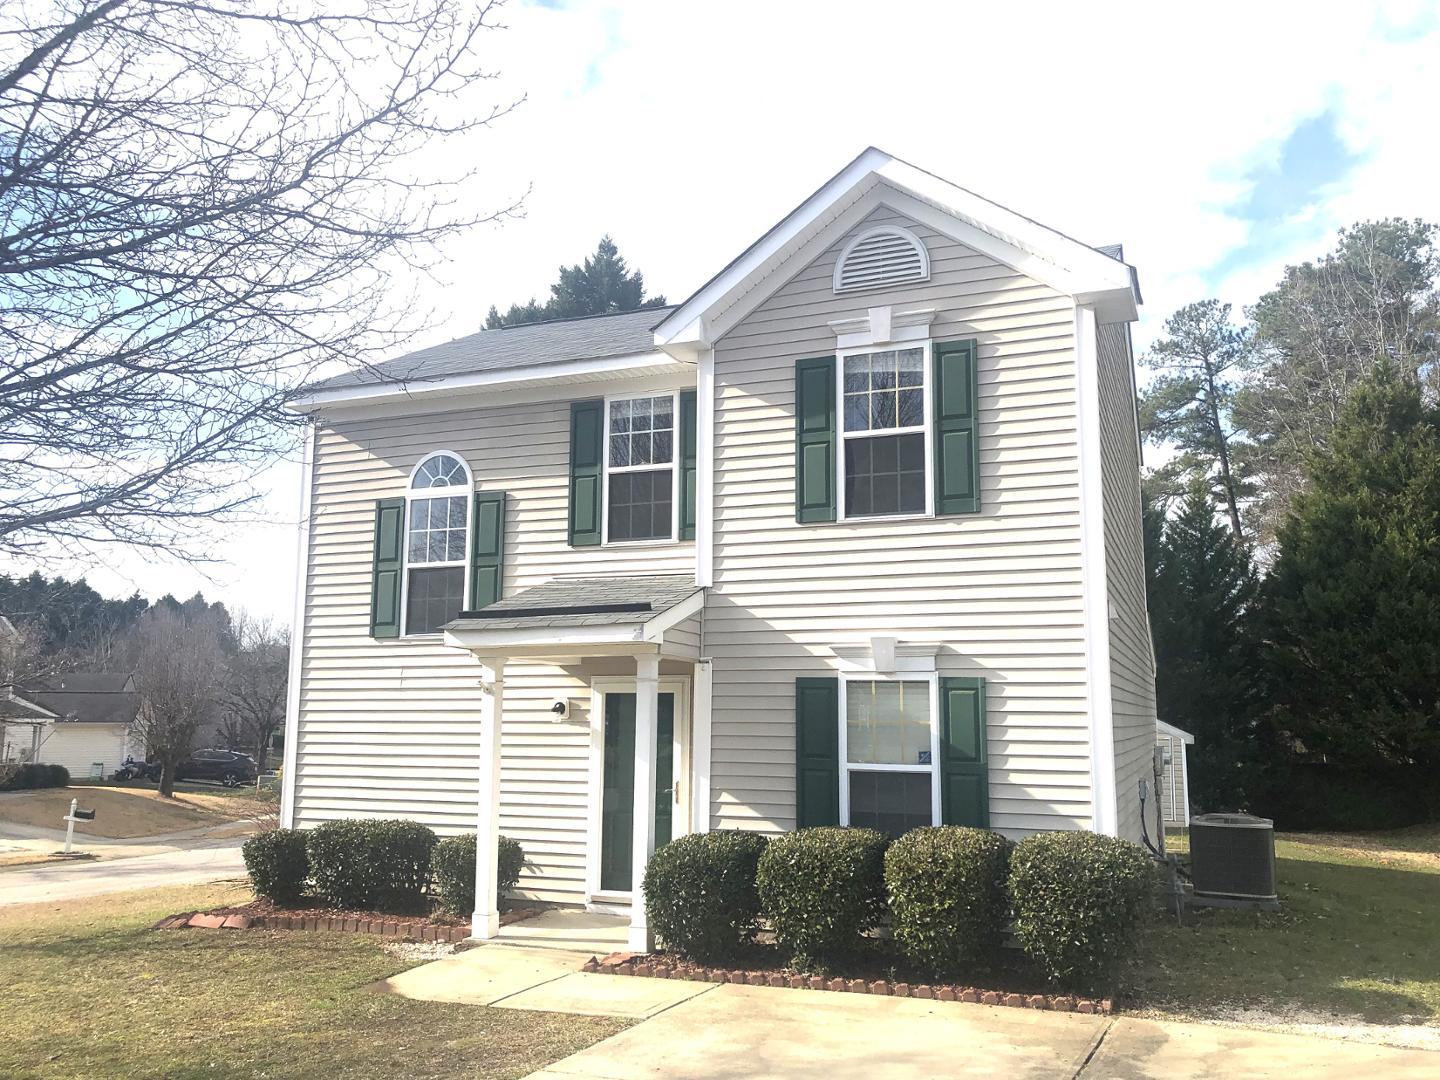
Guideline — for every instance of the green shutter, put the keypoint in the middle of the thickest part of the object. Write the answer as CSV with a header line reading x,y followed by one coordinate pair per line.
x,y
817,752
487,549
387,568
957,452
587,438
689,460
815,439
964,771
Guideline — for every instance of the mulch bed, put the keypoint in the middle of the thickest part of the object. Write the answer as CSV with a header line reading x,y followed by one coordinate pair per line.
x,y
662,966
267,915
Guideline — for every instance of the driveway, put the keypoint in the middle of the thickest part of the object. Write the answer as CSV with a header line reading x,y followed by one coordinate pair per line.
x,y
212,861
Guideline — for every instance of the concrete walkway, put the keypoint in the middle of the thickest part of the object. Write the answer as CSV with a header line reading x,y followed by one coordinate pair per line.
x,y
702,1030
207,861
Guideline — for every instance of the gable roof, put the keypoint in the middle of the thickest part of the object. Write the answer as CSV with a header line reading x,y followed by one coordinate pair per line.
x,y
87,697
531,345
875,179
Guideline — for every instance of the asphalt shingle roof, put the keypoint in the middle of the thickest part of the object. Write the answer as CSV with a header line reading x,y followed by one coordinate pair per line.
x,y
583,601
531,345
88,697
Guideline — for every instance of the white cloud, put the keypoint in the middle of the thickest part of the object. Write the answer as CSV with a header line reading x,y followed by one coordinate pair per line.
x,y
685,131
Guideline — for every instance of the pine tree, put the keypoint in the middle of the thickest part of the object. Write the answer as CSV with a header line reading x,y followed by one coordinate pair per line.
x,y
602,285
1202,590
1353,600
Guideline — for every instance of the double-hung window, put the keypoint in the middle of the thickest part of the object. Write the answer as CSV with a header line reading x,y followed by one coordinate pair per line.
x,y
889,747
885,449
640,464
437,527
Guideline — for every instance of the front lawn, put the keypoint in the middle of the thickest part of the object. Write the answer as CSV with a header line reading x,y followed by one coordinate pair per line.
x,y
90,991
1359,936
127,812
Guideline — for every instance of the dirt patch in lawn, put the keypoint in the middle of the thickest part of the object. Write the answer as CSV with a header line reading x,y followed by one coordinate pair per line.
x,y
123,813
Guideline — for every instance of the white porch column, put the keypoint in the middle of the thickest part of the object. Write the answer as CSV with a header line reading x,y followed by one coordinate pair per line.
x,y
485,923
647,710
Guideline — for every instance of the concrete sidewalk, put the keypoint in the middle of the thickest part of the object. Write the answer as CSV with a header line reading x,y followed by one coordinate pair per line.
x,y
208,861
726,1032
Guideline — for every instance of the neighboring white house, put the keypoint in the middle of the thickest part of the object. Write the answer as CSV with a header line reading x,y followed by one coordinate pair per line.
x,y
852,535
92,711
1175,799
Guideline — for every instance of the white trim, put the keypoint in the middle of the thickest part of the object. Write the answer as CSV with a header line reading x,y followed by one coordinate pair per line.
x,y
880,230
606,470
926,428
882,326
610,900
700,728
910,658
290,756
449,491
1185,780
1048,256
1179,733
847,767
1104,809
705,470
534,374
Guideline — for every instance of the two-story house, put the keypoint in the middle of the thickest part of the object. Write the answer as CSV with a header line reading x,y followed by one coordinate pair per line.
x,y
851,536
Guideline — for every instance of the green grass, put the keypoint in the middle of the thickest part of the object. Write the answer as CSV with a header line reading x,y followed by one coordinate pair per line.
x,y
90,991
1359,935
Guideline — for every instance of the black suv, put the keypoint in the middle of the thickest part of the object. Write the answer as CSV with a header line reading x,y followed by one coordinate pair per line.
x,y
227,766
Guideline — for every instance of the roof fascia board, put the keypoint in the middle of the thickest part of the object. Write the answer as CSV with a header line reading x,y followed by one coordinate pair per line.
x,y
675,376
1048,256
685,324
562,371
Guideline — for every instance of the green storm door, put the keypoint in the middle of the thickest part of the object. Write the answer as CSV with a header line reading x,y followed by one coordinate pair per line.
x,y
617,802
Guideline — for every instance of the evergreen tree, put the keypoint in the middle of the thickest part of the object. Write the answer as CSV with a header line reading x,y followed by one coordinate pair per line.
x,y
602,285
1189,403
1353,599
1201,591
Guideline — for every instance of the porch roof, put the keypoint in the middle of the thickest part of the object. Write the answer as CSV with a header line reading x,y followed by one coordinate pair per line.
x,y
627,614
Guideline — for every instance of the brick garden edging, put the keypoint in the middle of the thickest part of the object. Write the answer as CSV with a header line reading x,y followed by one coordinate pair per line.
x,y
399,929
656,967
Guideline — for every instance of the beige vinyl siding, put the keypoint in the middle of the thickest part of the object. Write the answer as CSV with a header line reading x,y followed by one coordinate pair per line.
x,y
392,728
1174,801
78,746
1000,590
1132,667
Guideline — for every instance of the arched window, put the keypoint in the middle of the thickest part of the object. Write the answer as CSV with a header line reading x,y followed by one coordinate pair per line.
x,y
881,258
437,532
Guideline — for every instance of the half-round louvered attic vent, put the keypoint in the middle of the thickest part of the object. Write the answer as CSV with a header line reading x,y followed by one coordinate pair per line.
x,y
881,258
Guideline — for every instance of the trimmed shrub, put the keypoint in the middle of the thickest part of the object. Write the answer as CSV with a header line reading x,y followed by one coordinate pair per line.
x,y
370,865
277,864
700,893
30,775
452,869
946,888
822,889
1078,899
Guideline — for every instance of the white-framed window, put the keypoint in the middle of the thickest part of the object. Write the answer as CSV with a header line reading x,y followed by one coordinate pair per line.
x,y
885,431
890,751
641,468
437,534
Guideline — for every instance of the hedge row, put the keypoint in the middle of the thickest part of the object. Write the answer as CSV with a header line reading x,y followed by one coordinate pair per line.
x,y
1075,898
30,775
382,865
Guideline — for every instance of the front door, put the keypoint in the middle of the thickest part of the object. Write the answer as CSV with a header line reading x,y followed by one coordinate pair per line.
x,y
617,802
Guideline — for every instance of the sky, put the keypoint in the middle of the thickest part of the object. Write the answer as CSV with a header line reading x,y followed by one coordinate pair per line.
x,y
1218,142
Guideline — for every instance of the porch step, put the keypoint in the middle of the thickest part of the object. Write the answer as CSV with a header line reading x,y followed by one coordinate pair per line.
x,y
570,931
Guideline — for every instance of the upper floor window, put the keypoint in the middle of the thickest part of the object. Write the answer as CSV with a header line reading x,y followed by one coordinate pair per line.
x,y
640,464
884,463
436,533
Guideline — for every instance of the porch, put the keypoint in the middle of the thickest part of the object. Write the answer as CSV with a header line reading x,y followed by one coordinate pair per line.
x,y
648,731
